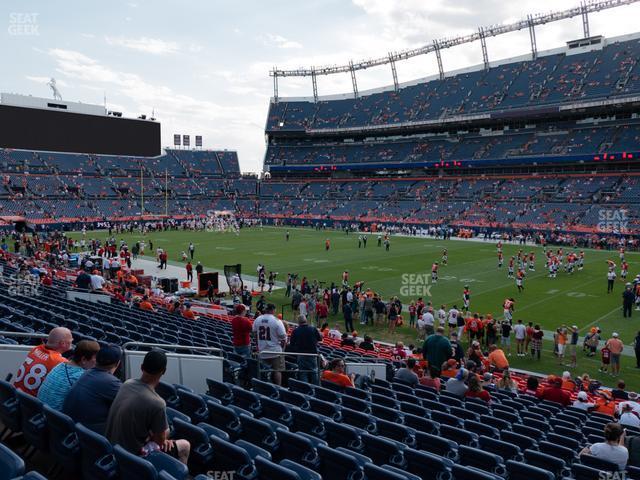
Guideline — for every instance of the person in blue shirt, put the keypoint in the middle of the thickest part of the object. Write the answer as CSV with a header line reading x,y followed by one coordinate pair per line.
x,y
90,398
58,382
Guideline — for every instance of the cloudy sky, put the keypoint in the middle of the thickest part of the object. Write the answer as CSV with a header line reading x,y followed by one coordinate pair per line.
x,y
202,66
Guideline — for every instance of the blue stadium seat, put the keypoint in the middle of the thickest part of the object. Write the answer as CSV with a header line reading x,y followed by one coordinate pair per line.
x,y
563,441
558,451
294,398
383,450
522,471
385,472
308,422
201,452
584,472
220,390
397,432
230,457
247,400
253,450
506,450
97,461
172,413
338,465
522,441
63,441
9,409
572,433
495,422
463,472
11,465
421,424
193,405
437,445
325,408
268,470
360,420
259,433
327,395
134,466
32,475
342,435
481,429
427,465
356,404
446,419
211,430
459,435
298,448
303,472
357,393
555,465
599,463
300,387
487,461
276,410
263,388
34,423
169,394
530,432
224,418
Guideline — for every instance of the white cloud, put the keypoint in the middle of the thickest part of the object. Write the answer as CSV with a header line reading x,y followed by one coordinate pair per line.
x,y
155,46
278,41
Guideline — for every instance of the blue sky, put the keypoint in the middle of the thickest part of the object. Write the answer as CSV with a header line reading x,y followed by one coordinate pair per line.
x,y
203,65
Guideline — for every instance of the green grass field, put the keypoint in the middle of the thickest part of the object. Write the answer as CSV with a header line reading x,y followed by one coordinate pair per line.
x,y
579,299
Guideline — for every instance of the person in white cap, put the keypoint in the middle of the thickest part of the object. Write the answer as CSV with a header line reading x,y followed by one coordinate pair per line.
x,y
582,402
615,346
628,417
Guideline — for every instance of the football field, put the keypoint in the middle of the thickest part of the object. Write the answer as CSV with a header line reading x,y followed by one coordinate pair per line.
x,y
405,271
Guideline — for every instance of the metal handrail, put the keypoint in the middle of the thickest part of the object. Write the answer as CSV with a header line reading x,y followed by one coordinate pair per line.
x,y
316,370
23,334
171,345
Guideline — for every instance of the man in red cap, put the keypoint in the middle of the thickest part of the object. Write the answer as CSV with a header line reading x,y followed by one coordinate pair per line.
x,y
241,328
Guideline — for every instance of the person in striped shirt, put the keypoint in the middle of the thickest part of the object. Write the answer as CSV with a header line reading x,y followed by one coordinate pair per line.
x,y
57,384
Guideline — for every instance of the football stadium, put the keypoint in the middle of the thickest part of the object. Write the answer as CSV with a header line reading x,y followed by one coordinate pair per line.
x,y
435,277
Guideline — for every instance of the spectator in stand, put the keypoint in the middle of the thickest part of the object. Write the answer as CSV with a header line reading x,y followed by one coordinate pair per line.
x,y
628,417
335,333
58,383
554,392
97,282
532,386
582,402
367,344
241,331
347,340
83,280
138,417
90,398
305,339
42,359
615,346
476,391
567,381
145,304
347,313
436,349
497,358
336,373
272,337
474,353
187,313
612,449
619,393
457,385
457,352
431,378
520,333
407,374
507,383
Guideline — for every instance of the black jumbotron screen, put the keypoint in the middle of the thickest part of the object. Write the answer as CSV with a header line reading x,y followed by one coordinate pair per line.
x,y
37,129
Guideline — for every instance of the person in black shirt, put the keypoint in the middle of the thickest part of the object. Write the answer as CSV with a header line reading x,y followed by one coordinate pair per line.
x,y
304,339
83,281
620,393
367,344
199,269
505,340
457,352
347,341
636,349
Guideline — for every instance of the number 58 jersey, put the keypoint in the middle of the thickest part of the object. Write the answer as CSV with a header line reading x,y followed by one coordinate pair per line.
x,y
39,362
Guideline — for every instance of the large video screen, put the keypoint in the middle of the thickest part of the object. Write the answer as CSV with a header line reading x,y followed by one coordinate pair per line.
x,y
37,129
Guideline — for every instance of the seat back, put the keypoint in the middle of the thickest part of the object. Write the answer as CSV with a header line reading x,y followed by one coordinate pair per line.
x,y
382,450
224,418
342,435
259,433
193,405
133,466
98,461
427,465
522,471
220,390
487,461
63,439
599,463
9,409
268,470
34,423
506,450
338,465
298,448
230,457
555,465
12,464
437,445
